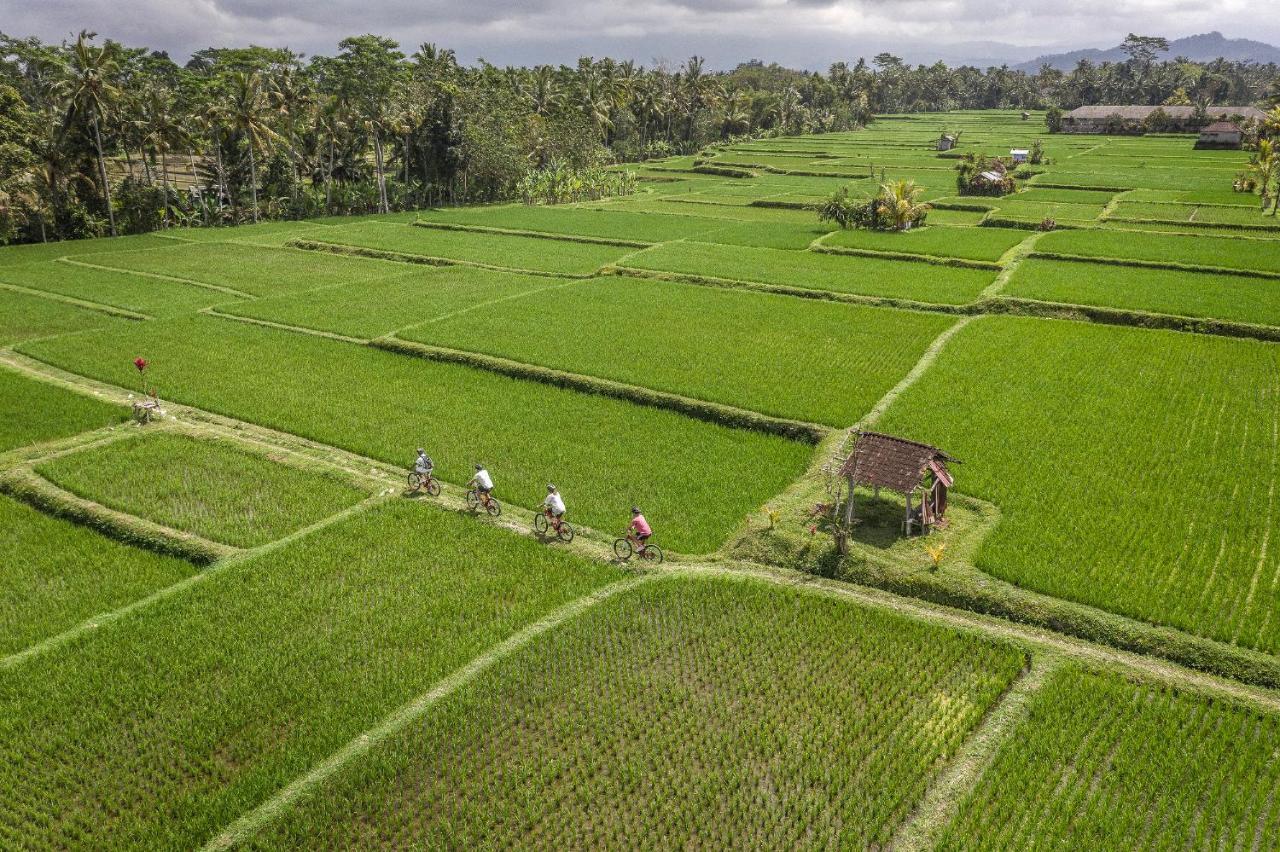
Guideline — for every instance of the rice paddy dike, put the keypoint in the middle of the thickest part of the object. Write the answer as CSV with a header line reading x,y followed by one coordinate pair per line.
x,y
237,627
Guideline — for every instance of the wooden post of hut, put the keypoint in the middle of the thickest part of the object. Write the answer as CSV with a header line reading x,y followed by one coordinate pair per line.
x,y
905,467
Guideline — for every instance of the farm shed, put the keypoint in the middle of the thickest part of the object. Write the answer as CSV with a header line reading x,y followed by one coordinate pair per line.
x,y
1132,118
1221,134
1019,155
946,142
905,467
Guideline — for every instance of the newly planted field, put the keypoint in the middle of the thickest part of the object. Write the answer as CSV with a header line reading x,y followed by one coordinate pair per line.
x,y
863,276
695,479
170,724
1236,298
1135,469
374,308
826,363
143,294
209,488
32,411
969,243
680,714
58,574
25,316
534,254
1188,250
1103,763
256,270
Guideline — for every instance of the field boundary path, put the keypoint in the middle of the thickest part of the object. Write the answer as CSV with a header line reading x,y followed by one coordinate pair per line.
x,y
975,755
249,824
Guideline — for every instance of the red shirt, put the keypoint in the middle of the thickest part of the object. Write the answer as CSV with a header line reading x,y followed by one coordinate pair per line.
x,y
640,525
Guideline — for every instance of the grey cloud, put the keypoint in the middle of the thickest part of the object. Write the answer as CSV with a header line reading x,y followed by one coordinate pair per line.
x,y
805,33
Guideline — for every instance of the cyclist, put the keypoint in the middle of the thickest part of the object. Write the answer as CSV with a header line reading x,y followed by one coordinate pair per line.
x,y
423,463
554,505
640,527
483,483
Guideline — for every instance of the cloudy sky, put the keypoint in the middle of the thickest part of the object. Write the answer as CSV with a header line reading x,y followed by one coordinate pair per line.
x,y
802,33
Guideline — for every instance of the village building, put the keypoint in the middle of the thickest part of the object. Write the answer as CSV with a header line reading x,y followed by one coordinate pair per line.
x,y
1221,134
946,142
1133,119
916,471
1019,155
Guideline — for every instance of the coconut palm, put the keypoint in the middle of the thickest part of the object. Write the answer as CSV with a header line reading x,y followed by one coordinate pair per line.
x,y
90,89
899,203
247,109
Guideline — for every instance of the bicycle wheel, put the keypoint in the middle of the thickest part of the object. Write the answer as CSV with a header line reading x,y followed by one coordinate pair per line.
x,y
473,499
539,523
622,548
652,553
415,480
494,508
565,533
433,486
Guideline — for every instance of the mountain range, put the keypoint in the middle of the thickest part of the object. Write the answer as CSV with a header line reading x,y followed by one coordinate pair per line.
x,y
1200,48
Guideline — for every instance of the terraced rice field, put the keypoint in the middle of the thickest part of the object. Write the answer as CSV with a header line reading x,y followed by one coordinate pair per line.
x,y
345,664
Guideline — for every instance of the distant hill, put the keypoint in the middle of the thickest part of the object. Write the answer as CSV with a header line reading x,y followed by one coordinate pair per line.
x,y
1200,48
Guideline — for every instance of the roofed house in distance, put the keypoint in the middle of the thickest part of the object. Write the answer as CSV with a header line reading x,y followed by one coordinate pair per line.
x,y
1138,119
1221,134
905,467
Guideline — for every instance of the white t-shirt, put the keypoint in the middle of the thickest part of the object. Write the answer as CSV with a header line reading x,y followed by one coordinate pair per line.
x,y
423,464
483,479
555,503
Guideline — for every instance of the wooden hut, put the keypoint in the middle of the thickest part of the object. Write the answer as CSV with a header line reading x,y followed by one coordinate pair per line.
x,y
946,142
916,471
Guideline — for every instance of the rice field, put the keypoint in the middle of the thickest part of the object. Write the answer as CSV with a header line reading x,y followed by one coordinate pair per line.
x,y
211,488
606,454
362,668
58,574
1135,469
32,412
1102,762
680,713
688,340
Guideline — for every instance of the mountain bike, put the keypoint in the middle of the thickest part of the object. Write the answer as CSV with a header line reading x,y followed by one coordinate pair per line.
x,y
419,481
477,499
544,520
628,546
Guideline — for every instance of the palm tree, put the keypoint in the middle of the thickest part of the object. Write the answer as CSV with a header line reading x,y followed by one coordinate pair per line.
x,y
899,203
90,89
246,110
331,122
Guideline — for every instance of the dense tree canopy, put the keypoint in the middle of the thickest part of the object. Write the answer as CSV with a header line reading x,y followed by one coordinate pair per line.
x,y
91,132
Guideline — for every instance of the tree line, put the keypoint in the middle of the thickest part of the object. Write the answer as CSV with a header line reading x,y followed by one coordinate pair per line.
x,y
93,134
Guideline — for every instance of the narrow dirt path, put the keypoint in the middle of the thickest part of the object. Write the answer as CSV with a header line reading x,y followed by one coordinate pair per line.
x,y
249,824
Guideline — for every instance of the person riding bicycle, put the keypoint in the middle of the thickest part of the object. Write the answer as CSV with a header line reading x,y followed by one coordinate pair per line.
x,y
423,463
639,526
554,504
482,481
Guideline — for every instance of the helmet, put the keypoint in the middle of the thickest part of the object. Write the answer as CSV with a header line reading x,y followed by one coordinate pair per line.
x,y
421,451
635,510
479,466
550,487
